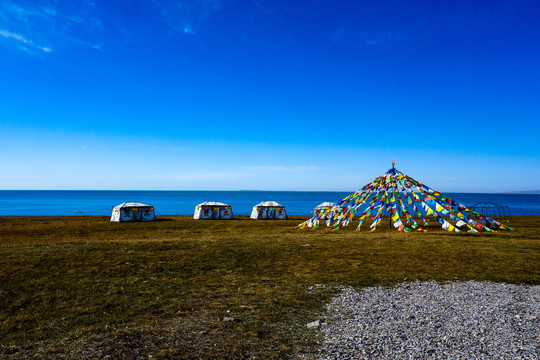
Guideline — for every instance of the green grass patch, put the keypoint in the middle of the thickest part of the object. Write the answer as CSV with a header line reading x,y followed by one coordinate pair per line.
x,y
82,287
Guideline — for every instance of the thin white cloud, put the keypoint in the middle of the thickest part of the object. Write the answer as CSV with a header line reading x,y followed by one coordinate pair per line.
x,y
154,147
198,176
32,25
283,168
186,16
244,172
188,30
28,44
8,34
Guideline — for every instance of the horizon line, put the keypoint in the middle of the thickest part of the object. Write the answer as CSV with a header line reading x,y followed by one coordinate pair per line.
x,y
523,192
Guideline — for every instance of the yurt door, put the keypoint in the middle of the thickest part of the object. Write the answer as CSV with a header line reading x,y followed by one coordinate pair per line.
x,y
126,214
281,214
225,214
206,213
148,214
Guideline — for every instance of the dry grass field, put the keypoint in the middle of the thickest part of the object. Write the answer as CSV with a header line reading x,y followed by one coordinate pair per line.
x,y
85,288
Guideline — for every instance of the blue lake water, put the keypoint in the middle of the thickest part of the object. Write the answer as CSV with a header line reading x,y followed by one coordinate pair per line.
x,y
61,203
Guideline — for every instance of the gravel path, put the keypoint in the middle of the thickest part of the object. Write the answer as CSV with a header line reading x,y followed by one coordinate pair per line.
x,y
427,320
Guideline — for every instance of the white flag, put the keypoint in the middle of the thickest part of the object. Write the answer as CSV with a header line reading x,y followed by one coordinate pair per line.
x,y
460,223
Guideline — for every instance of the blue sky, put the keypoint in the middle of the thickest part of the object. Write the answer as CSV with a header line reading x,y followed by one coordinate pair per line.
x,y
269,95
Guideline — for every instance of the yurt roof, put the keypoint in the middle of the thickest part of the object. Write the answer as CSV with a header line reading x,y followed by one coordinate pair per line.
x,y
269,204
212,203
132,204
326,204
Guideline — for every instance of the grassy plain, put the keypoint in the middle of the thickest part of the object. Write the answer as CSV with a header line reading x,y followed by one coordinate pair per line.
x,y
85,288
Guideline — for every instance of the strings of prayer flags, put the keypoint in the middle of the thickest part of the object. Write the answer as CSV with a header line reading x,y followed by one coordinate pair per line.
x,y
402,197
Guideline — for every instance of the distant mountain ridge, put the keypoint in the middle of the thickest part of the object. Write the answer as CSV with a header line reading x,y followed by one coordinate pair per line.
x,y
525,192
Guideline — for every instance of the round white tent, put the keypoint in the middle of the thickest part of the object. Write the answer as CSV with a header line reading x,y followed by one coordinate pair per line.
x,y
212,210
269,210
133,211
325,207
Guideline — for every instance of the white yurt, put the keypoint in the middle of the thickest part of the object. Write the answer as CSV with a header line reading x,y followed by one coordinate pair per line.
x,y
212,210
325,207
133,211
269,210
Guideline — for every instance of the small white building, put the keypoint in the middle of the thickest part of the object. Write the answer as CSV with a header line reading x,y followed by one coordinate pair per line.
x,y
212,210
133,211
268,210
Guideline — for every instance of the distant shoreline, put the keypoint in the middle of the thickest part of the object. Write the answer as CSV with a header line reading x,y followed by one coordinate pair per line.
x,y
529,192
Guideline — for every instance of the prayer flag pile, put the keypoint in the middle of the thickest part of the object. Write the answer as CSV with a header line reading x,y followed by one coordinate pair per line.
x,y
403,198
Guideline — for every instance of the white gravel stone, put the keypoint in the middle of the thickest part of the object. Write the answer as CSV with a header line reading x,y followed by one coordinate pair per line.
x,y
428,320
314,324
